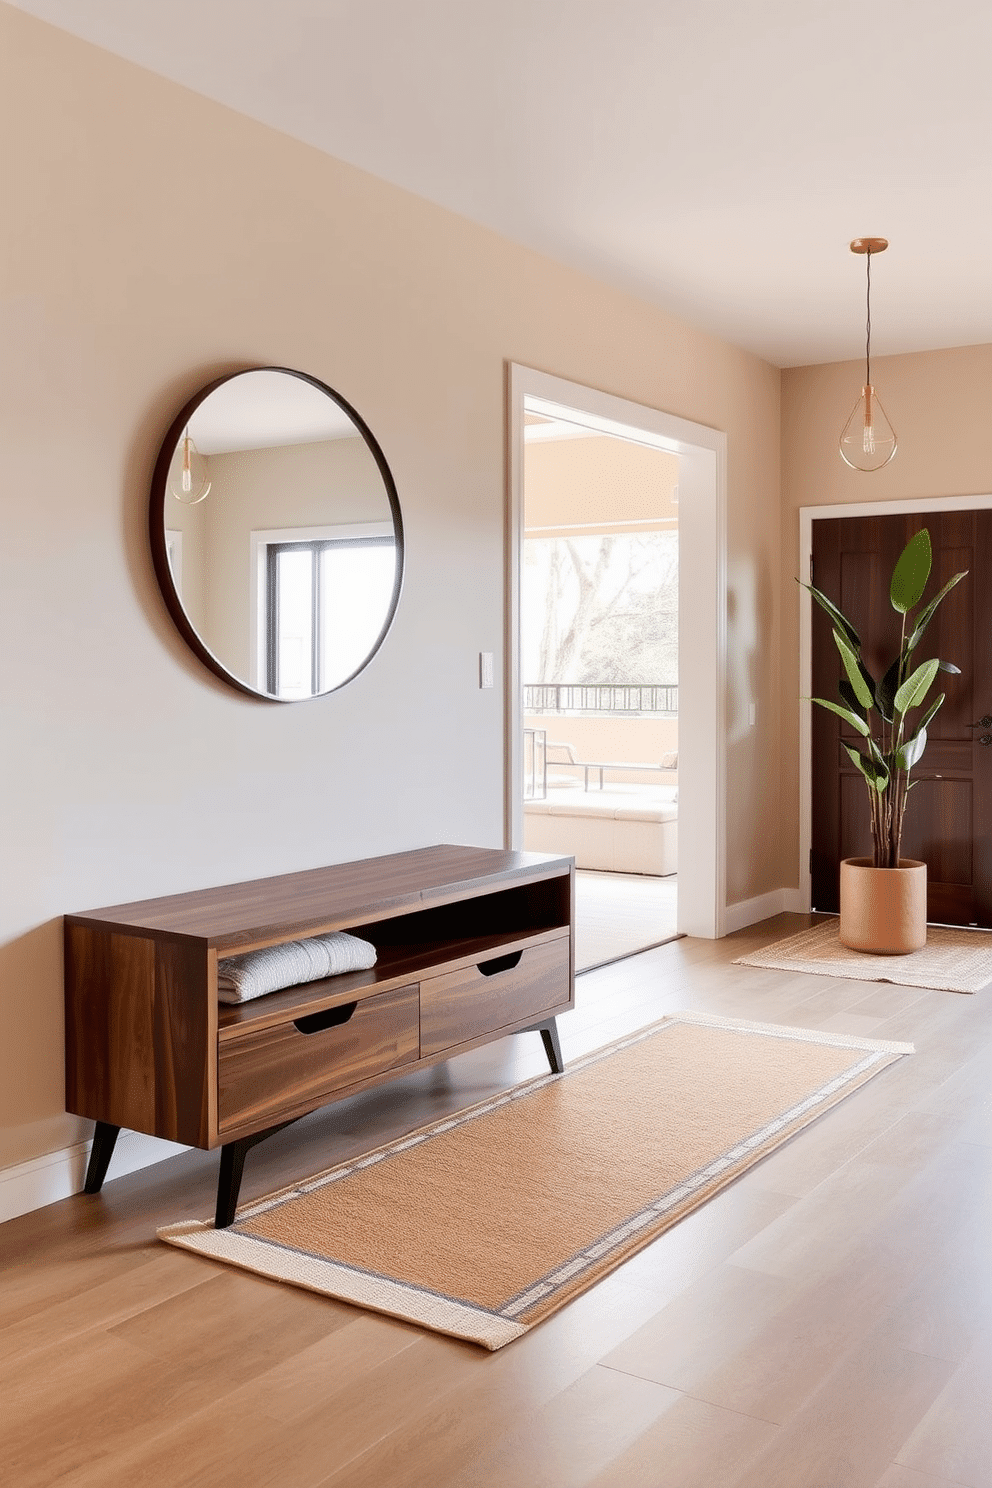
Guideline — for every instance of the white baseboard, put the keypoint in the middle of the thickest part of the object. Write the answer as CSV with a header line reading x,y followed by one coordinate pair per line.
x,y
59,1175
751,911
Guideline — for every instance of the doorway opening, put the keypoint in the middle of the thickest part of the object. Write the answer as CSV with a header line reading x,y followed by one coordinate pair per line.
x,y
599,649
696,777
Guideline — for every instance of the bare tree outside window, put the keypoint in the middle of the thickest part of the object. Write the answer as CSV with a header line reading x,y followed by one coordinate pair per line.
x,y
601,609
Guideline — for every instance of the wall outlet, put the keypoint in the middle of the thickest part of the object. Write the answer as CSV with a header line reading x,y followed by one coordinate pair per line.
x,y
486,669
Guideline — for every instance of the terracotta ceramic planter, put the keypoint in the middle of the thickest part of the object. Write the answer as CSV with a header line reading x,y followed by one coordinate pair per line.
x,y
883,910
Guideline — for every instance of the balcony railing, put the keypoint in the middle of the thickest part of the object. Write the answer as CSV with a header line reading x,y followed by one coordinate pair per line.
x,y
626,699
535,764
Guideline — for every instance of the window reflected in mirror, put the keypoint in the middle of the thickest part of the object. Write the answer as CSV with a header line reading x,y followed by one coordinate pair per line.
x,y
324,602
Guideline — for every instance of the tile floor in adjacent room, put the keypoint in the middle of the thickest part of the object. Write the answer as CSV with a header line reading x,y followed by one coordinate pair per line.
x,y
618,913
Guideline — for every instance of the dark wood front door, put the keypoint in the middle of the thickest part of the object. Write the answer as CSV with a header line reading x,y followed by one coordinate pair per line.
x,y
949,813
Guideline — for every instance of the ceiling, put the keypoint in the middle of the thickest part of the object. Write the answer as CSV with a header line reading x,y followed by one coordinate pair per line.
x,y
265,408
713,157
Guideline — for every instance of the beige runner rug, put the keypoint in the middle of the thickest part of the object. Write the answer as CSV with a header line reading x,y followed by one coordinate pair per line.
x,y
485,1223
951,961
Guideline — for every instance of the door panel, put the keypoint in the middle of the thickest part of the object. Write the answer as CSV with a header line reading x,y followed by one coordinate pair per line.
x,y
949,815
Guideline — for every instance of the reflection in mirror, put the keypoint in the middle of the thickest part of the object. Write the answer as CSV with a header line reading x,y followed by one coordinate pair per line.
x,y
284,575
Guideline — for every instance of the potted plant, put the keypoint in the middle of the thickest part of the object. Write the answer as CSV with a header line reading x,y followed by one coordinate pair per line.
x,y
883,900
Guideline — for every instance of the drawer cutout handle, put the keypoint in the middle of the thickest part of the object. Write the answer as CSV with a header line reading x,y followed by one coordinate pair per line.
x,y
500,963
329,1018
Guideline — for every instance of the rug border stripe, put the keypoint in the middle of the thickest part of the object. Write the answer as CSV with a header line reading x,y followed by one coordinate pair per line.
x,y
808,1035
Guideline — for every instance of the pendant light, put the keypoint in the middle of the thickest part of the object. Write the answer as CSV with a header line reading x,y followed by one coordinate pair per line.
x,y
868,440
189,483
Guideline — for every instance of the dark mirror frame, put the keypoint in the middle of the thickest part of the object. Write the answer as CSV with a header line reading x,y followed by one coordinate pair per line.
x,y
157,528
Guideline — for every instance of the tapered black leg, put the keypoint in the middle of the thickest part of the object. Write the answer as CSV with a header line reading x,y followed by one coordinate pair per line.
x,y
104,1141
232,1166
549,1037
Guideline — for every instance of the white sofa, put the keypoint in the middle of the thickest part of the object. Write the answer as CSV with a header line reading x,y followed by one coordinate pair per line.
x,y
620,829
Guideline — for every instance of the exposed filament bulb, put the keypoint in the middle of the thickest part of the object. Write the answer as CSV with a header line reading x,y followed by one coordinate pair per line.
x,y
869,440
189,483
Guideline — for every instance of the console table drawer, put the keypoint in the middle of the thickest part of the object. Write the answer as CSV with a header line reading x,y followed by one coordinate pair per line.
x,y
302,1063
461,1005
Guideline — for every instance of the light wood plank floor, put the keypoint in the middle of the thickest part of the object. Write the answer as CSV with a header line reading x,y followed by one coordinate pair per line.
x,y
824,1323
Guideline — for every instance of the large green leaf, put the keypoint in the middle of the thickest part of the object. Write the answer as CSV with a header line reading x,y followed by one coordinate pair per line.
x,y
841,621
925,616
948,666
885,692
928,715
864,693
867,677
909,577
850,699
875,752
876,775
912,752
915,688
846,714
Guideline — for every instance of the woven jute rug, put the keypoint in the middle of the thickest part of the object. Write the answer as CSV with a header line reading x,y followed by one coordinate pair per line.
x,y
483,1224
951,961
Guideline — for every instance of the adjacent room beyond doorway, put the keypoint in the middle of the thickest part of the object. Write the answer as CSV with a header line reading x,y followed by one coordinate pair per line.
x,y
599,631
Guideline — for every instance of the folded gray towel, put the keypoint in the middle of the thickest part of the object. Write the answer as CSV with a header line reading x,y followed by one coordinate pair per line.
x,y
240,978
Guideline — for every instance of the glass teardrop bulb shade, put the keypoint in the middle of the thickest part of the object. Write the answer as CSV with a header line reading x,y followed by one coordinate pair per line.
x,y
868,441
188,478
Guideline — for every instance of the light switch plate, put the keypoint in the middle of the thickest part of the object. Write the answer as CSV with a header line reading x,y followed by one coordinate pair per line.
x,y
486,669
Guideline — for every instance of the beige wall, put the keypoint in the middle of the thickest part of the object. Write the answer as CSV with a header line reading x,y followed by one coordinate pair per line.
x,y
127,769
603,481
938,404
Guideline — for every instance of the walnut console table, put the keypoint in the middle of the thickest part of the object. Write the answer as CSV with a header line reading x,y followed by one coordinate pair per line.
x,y
473,943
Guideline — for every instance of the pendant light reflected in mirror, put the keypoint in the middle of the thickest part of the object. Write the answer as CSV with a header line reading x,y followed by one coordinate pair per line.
x,y
189,482
868,440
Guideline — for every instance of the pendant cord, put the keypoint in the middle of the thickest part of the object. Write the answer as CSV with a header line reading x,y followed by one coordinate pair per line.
x,y
868,324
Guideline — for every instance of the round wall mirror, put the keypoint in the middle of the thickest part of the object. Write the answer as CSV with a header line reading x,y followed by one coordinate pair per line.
x,y
276,534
